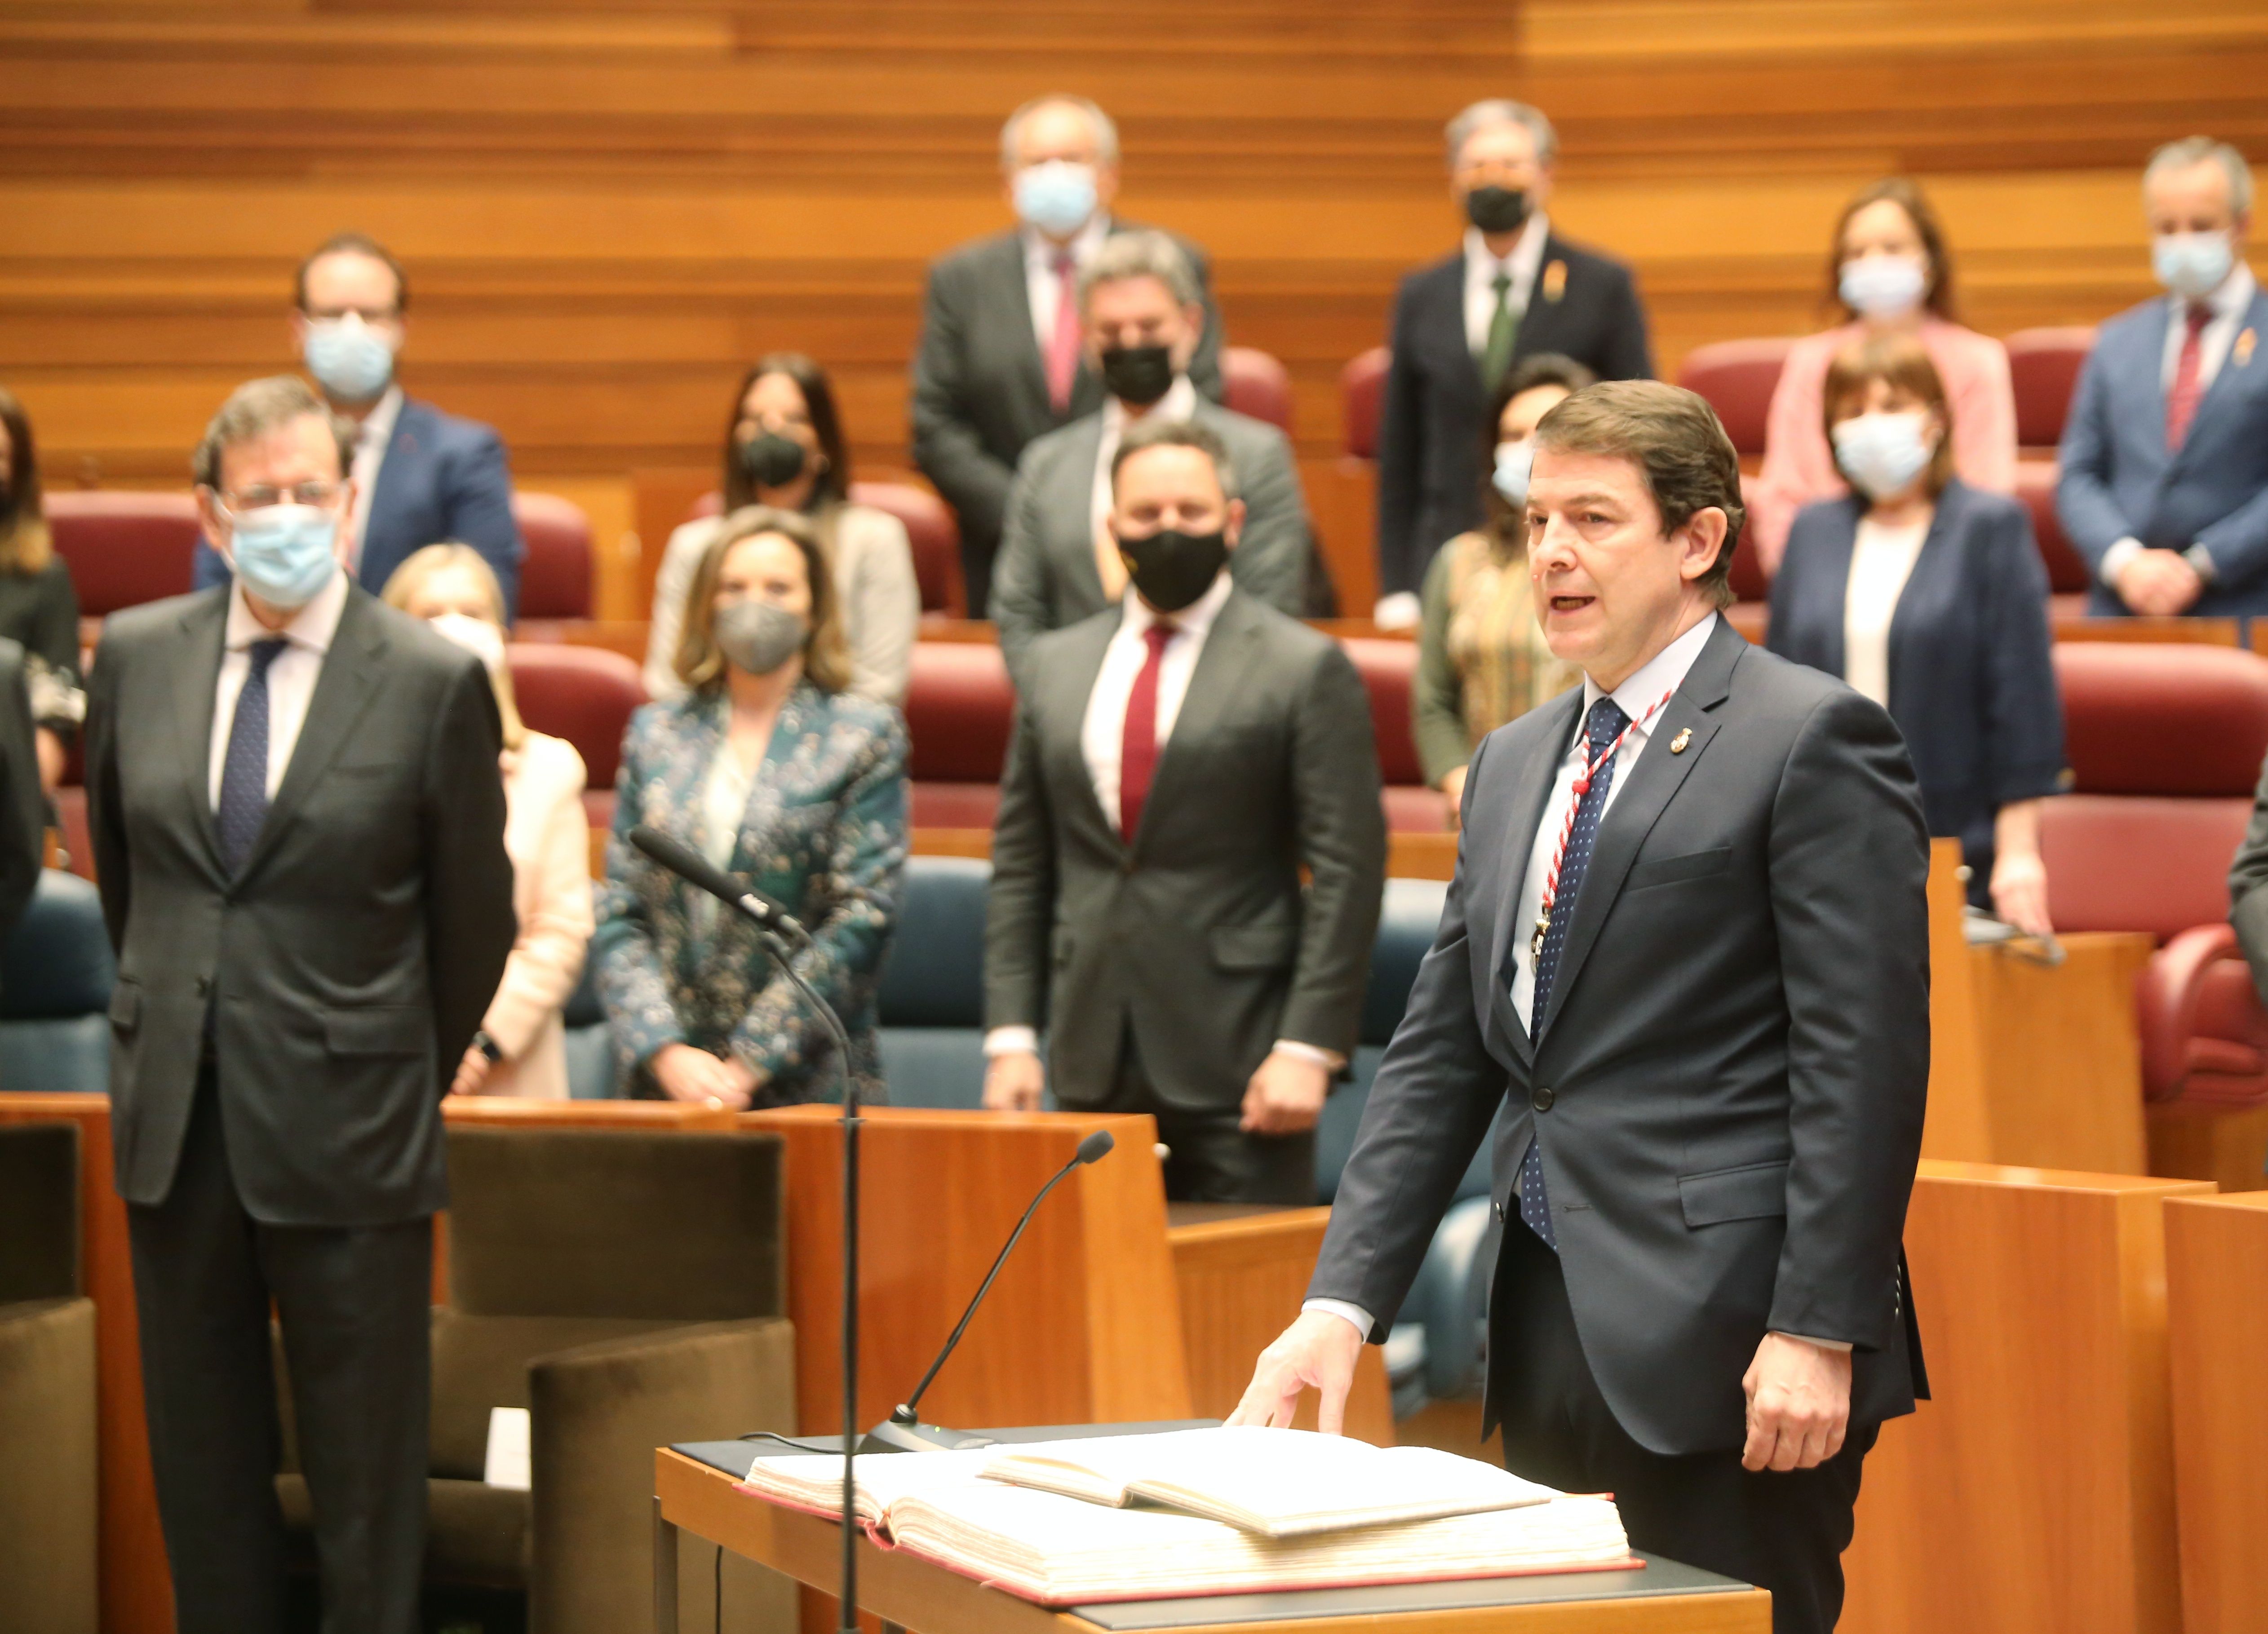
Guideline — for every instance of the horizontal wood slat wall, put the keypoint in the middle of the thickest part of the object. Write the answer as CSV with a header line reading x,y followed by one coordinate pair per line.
x,y
607,208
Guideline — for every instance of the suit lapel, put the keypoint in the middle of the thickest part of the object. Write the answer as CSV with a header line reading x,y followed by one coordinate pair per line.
x,y
203,626
1653,782
1232,647
1835,575
2228,380
1086,596
1531,788
344,688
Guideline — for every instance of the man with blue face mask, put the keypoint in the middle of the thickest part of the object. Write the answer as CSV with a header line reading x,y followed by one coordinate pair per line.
x,y
421,477
1002,359
2164,485
298,825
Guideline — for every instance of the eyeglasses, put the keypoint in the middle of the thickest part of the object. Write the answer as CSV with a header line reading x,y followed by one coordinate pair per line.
x,y
260,497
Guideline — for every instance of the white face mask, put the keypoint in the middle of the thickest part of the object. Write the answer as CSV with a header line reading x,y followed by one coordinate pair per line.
x,y
477,636
1882,286
1514,462
2192,265
1882,453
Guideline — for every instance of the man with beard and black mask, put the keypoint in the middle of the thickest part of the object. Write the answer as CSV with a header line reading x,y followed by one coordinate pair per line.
x,y
421,477
1178,760
1140,302
1515,288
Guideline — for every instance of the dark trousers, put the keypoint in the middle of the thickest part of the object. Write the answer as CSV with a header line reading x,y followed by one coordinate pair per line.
x,y
353,1307
1782,1532
1209,1160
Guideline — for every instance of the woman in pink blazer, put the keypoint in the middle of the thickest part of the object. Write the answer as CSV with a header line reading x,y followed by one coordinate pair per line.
x,y
1891,273
521,1047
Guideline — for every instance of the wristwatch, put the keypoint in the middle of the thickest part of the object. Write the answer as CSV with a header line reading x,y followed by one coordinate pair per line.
x,y
488,1046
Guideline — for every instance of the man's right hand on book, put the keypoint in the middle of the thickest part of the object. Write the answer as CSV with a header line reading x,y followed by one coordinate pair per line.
x,y
1318,1352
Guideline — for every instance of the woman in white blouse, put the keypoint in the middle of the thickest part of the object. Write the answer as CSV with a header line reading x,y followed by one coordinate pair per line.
x,y
521,1047
1928,596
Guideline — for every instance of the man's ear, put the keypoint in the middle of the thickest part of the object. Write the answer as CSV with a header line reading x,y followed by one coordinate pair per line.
x,y
1233,523
209,519
1700,539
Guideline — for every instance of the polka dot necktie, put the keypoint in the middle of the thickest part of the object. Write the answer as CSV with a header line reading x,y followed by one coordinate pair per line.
x,y
244,773
1601,727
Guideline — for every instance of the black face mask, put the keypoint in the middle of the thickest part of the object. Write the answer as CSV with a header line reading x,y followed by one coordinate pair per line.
x,y
769,460
1139,375
1172,569
1497,209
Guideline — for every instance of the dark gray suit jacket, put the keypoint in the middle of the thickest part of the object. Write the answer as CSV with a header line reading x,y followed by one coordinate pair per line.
x,y
1045,576
980,389
23,804
349,963
1198,936
1729,1084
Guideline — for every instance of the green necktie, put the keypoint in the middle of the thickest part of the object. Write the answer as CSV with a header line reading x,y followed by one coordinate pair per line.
x,y
1496,357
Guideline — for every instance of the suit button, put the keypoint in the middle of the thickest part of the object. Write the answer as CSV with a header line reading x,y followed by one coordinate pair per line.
x,y
1496,1208
1543,1098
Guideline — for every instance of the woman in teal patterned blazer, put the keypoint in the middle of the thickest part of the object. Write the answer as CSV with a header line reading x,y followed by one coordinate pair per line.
x,y
771,770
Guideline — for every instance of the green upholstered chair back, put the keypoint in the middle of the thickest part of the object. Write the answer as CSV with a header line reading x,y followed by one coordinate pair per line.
x,y
39,1212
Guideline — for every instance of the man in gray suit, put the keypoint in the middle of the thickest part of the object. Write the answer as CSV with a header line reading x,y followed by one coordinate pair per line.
x,y
297,824
1687,947
1057,562
1000,360
1176,761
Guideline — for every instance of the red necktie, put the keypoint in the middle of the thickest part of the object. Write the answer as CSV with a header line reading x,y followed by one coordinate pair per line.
x,y
2181,402
1063,349
1138,745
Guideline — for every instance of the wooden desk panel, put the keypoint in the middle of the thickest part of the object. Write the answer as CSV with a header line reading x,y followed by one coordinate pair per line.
x,y
2036,1491
2217,1328
2061,1057
1957,1125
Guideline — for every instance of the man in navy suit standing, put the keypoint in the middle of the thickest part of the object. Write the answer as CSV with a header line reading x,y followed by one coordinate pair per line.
x,y
421,477
2165,454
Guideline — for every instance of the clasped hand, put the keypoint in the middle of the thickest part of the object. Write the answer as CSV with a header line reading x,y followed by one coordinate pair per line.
x,y
1283,1098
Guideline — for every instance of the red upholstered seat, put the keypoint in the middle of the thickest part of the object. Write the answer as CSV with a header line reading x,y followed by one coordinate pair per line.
x,y
932,532
124,548
960,711
2205,1036
2035,486
1256,384
1750,583
1738,377
585,694
1389,669
2043,368
554,576
1362,389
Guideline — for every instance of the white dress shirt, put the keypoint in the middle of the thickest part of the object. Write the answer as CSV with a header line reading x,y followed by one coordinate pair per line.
x,y
1480,267
377,430
2228,305
1179,404
1042,285
1881,560
291,676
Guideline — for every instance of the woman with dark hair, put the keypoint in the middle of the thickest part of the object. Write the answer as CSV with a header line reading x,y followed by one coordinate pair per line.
x,y
1889,273
39,608
1927,595
766,764
1481,657
784,448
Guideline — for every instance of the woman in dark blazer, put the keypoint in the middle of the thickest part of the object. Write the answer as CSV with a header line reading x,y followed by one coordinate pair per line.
x,y
1929,595
771,770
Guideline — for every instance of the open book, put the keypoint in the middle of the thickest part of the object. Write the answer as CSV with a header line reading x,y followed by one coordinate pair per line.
x,y
1276,1483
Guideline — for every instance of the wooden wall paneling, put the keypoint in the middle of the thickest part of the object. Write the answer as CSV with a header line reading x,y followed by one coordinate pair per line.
x,y
2216,1263
2036,1491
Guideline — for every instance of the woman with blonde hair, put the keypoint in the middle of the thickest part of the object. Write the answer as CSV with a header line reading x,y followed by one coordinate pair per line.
x,y
39,607
769,767
521,1047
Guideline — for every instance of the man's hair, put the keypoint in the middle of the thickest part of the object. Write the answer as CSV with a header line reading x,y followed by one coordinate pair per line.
x,y
353,244
1903,363
1673,437
2195,151
1148,254
1175,434
257,407
1502,111
1105,133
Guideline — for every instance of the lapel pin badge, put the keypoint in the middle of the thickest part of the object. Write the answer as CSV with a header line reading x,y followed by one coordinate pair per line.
x,y
1684,736
1555,280
2245,344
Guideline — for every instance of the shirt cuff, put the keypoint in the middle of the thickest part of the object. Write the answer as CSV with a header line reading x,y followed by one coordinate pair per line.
x,y
1399,611
1009,1041
2200,560
1346,1313
2116,558
1825,1345
1330,1060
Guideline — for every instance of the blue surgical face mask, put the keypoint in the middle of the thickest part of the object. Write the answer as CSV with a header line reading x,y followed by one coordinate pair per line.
x,y
284,553
1514,462
1882,453
1055,197
1882,286
349,359
2192,265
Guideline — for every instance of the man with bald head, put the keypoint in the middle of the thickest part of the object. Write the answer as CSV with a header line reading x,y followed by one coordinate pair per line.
x,y
1002,359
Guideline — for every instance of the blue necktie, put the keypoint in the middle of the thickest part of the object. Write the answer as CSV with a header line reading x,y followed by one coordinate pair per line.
x,y
244,773
1603,724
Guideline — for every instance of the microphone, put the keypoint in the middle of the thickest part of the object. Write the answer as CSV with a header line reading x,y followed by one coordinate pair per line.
x,y
690,866
903,1431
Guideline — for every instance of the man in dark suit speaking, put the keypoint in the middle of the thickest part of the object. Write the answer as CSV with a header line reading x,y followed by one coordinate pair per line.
x,y
1686,939
298,825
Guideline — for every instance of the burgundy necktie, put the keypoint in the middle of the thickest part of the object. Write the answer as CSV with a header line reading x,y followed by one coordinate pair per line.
x,y
1062,347
1138,745
2181,402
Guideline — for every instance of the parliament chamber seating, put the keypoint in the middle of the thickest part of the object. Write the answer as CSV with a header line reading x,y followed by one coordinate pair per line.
x,y
2044,365
586,695
932,1001
2068,580
2166,744
627,1287
56,972
1362,391
555,574
960,711
124,548
1389,668
1738,377
1258,384
931,532
48,1483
